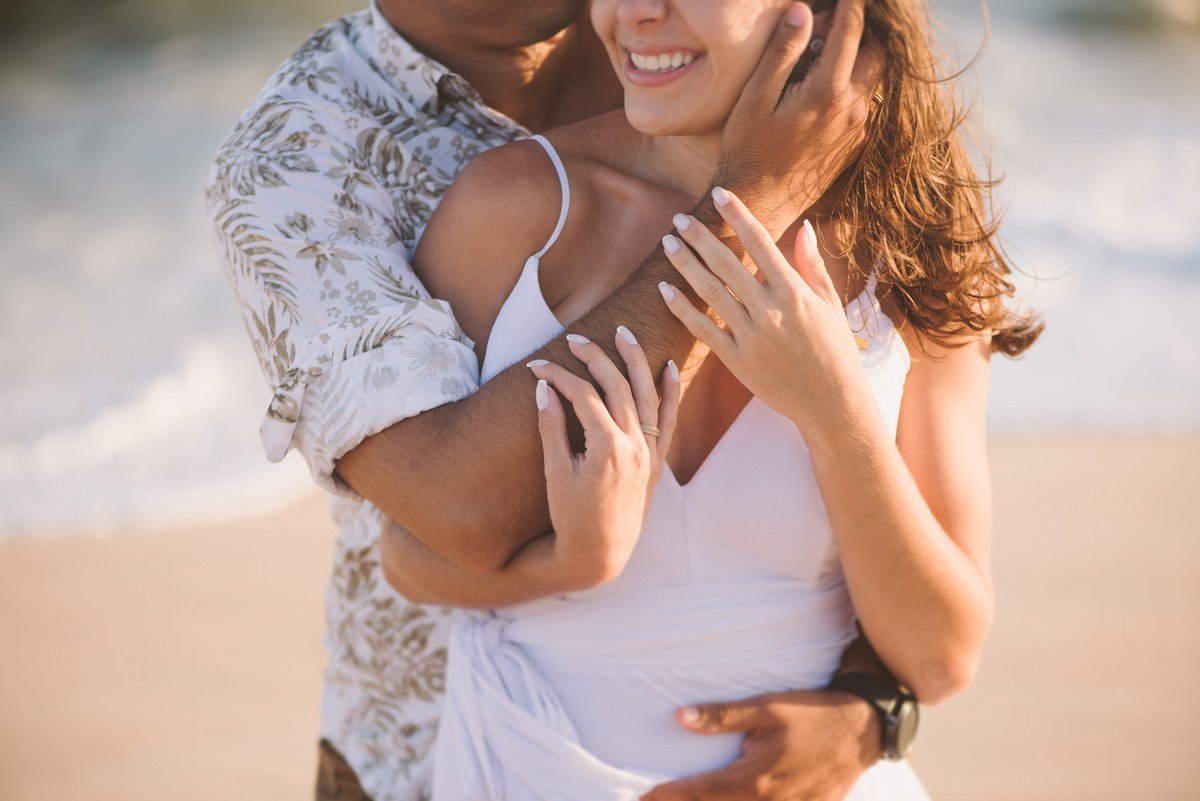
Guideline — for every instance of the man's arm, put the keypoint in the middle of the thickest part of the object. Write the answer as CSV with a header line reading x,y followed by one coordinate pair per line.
x,y
465,477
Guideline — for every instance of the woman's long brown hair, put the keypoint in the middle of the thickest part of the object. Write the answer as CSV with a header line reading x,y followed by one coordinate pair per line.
x,y
914,200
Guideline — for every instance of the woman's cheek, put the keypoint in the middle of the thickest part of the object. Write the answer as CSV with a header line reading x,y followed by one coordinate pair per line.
x,y
603,15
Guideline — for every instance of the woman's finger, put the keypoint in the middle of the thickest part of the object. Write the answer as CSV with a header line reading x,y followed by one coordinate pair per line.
x,y
698,323
618,397
811,266
668,411
760,245
708,287
728,268
552,425
582,396
641,380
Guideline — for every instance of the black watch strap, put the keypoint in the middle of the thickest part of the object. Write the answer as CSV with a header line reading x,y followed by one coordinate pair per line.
x,y
897,708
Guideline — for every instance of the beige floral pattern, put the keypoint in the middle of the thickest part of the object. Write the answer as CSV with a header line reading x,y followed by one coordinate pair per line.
x,y
316,200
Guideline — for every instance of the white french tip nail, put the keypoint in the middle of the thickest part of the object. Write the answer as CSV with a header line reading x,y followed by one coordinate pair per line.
x,y
720,196
626,335
673,370
667,291
542,395
578,339
670,244
537,363
681,222
810,234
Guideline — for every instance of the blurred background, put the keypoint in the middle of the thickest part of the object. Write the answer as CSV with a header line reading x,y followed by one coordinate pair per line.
x,y
160,583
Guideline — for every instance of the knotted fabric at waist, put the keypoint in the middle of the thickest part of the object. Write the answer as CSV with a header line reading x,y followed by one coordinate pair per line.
x,y
504,732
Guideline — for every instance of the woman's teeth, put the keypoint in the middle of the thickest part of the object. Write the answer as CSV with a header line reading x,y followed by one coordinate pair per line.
x,y
662,62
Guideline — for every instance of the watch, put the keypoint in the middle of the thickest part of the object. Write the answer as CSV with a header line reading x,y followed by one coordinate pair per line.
x,y
896,706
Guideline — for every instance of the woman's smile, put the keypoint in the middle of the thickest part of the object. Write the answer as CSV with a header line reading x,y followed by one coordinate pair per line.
x,y
658,66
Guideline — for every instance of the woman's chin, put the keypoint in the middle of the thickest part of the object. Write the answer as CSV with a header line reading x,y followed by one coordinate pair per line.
x,y
649,123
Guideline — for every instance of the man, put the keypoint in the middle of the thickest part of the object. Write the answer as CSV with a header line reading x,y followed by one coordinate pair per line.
x,y
317,200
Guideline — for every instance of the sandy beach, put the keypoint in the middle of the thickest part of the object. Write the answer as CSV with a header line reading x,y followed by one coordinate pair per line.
x,y
185,664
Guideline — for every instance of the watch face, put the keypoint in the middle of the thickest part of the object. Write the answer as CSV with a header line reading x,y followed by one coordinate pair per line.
x,y
906,726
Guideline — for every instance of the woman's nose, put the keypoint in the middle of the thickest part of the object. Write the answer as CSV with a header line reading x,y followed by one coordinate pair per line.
x,y
634,13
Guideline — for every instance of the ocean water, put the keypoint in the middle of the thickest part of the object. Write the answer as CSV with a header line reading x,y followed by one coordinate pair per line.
x,y
130,395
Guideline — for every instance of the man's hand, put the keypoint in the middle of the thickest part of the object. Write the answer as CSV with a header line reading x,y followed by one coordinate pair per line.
x,y
804,745
786,141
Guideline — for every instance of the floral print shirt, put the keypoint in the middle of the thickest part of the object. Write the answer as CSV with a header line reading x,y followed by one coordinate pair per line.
x,y
317,199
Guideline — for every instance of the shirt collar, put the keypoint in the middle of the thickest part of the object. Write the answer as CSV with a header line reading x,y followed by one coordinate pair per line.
x,y
429,83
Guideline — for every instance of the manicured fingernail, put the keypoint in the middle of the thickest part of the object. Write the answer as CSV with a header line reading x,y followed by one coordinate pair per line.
x,y
689,714
670,244
667,291
810,236
720,196
681,222
673,370
537,363
542,395
626,335
795,15
578,339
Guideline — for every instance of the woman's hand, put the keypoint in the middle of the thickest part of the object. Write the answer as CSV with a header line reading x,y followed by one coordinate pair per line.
x,y
786,337
599,498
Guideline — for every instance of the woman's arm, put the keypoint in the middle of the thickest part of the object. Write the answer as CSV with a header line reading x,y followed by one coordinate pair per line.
x,y
910,518
913,519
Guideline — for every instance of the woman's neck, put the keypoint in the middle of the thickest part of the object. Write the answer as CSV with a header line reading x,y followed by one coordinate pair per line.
x,y
685,162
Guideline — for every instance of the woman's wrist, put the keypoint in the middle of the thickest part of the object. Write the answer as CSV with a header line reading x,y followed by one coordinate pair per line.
x,y
852,418
575,571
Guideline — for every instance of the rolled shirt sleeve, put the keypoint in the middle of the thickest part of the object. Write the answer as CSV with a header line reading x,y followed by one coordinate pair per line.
x,y
314,231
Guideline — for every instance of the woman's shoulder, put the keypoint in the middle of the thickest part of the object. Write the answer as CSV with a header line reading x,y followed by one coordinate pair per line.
x,y
508,194
500,210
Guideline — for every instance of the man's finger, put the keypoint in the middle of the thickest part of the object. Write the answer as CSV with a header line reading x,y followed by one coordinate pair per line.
x,y
725,717
868,68
841,48
779,59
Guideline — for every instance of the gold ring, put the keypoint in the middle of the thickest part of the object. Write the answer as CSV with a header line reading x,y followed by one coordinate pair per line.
x,y
653,431
877,99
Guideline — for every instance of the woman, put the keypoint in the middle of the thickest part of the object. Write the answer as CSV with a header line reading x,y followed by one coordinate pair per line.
x,y
798,492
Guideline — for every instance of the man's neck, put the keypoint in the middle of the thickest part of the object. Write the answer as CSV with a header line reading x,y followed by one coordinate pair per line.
x,y
545,84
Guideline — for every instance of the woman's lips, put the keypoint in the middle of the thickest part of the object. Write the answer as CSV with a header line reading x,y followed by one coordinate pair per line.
x,y
639,77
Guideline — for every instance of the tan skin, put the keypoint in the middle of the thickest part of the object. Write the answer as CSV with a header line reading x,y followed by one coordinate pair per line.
x,y
808,744
921,587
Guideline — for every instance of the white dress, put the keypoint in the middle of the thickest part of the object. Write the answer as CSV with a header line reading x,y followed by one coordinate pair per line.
x,y
734,589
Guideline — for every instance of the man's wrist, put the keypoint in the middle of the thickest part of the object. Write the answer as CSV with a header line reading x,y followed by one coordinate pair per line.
x,y
897,709
863,722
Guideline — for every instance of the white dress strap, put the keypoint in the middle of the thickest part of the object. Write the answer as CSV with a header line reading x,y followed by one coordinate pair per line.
x,y
566,192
